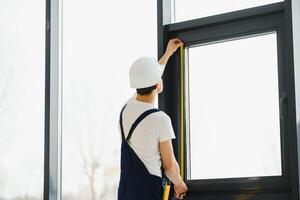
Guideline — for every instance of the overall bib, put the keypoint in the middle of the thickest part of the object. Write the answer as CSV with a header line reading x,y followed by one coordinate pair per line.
x,y
136,183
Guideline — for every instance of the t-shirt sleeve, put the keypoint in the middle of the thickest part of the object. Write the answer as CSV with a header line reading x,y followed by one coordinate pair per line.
x,y
165,129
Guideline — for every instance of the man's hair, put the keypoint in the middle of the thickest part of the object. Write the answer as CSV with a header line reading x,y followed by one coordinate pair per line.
x,y
146,91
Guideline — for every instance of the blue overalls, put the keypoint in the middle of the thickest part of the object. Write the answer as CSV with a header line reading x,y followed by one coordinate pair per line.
x,y
136,183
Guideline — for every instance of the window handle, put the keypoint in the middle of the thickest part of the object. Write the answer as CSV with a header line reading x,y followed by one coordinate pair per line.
x,y
283,101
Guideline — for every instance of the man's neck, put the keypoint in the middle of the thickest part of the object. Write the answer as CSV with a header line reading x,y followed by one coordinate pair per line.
x,y
146,98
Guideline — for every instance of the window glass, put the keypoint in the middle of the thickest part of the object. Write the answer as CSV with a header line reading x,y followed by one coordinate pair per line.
x,y
98,48
193,9
234,109
22,99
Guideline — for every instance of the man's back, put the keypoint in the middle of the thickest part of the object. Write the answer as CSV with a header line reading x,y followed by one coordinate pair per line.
x,y
145,139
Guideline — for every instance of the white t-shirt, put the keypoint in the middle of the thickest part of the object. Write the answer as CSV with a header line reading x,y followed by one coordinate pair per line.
x,y
152,130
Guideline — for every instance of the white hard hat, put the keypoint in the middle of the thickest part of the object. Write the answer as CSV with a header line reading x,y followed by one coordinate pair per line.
x,y
145,72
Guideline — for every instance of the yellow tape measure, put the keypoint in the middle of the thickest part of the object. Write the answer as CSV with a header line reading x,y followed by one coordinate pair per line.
x,y
167,191
182,112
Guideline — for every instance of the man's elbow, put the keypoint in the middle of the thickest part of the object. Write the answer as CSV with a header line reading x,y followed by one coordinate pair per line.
x,y
168,164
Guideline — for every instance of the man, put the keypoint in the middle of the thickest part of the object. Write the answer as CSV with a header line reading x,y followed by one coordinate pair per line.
x,y
146,135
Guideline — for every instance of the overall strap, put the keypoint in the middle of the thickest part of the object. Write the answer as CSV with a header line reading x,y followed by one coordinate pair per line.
x,y
121,123
139,119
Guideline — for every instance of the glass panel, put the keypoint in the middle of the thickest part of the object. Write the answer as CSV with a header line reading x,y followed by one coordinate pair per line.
x,y
98,49
193,9
234,109
22,99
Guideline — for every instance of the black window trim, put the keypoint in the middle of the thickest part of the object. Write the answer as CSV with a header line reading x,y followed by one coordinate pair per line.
x,y
258,20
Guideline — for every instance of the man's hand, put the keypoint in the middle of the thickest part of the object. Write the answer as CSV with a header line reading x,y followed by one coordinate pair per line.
x,y
171,168
173,45
180,190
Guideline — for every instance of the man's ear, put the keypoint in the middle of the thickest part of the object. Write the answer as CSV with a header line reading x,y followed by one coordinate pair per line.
x,y
158,86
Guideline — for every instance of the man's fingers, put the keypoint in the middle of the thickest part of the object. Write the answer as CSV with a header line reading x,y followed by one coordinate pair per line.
x,y
178,43
177,197
181,196
176,40
174,44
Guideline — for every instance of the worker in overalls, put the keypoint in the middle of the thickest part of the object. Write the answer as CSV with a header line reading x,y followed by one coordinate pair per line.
x,y
146,135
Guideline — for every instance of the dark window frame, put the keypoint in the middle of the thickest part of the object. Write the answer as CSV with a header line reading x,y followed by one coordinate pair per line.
x,y
52,143
272,17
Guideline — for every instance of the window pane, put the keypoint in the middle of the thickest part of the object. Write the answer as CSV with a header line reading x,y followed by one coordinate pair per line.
x,y
193,9
98,49
234,109
22,102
